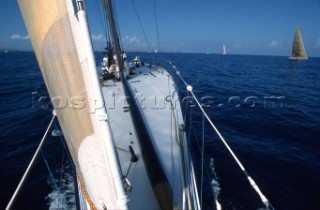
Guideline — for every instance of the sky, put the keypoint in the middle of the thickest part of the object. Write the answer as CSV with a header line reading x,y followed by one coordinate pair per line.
x,y
248,27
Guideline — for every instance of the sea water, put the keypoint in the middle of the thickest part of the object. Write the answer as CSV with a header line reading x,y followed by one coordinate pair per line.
x,y
267,109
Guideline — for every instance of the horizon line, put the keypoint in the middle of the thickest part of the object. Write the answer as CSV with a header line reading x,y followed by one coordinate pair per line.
x,y
3,50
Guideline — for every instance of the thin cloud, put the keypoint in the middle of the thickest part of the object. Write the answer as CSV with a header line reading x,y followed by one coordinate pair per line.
x,y
99,37
274,44
19,37
317,43
131,40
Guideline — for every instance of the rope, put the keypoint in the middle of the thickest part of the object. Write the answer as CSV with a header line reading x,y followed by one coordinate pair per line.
x,y
53,180
144,33
66,149
61,170
251,181
190,123
30,164
50,172
157,27
171,149
202,161
117,23
103,21
210,175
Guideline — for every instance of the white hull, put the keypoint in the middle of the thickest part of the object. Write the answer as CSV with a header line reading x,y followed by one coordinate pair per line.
x,y
298,58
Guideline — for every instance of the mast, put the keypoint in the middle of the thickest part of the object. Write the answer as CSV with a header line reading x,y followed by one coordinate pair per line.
x,y
114,34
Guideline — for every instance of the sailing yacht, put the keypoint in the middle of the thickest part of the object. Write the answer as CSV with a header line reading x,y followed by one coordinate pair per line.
x,y
124,129
298,51
122,123
224,50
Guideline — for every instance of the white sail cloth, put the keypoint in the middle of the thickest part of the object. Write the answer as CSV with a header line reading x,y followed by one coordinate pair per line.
x,y
61,42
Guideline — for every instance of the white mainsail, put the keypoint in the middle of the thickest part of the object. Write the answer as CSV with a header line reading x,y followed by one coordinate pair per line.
x,y
224,50
69,72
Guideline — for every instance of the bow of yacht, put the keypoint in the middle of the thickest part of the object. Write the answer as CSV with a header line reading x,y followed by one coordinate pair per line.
x,y
148,130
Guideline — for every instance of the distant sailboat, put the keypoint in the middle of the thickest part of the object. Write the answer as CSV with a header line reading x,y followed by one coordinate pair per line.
x,y
298,51
224,50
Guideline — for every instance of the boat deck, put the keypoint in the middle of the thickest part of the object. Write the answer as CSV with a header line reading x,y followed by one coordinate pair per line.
x,y
156,95
156,101
141,196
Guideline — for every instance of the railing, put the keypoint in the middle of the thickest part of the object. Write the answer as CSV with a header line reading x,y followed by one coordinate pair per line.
x,y
177,77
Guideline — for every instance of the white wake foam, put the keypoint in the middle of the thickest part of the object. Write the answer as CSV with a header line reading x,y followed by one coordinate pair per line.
x,y
215,186
56,132
63,195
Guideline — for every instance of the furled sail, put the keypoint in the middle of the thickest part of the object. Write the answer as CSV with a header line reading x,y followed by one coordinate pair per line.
x,y
298,50
61,42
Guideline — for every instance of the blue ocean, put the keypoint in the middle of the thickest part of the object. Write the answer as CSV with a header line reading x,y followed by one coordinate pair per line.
x,y
266,107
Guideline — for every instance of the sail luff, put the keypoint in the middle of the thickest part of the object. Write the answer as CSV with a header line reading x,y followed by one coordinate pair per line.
x,y
98,113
